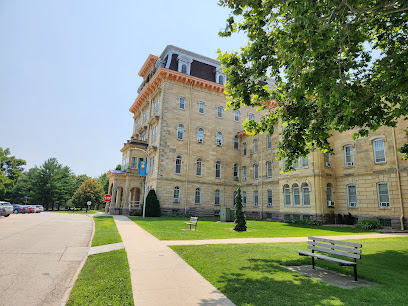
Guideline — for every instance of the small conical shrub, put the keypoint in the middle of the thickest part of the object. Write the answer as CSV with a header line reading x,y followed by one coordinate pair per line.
x,y
240,219
152,205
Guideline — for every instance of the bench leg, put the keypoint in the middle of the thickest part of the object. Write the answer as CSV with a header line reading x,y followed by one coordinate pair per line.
x,y
355,273
313,263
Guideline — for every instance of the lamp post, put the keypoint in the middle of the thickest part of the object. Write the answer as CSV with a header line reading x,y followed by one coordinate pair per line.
x,y
145,184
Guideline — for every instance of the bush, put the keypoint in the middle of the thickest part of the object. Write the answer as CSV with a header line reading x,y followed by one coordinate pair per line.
x,y
136,212
349,219
178,215
303,221
369,224
152,205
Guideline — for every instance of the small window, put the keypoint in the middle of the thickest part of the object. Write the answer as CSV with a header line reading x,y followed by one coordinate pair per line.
x,y
218,140
200,136
244,198
268,142
236,142
244,149
379,151
201,107
180,132
250,116
383,195
221,80
305,195
244,173
236,116
184,68
217,197
296,195
304,162
256,198
218,169
286,195
176,194
182,103
236,171
219,111
255,145
255,171
197,198
268,169
178,165
352,196
269,198
199,164
349,156
329,194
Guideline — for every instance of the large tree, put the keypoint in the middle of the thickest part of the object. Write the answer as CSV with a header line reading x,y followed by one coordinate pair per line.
x,y
336,64
11,169
90,190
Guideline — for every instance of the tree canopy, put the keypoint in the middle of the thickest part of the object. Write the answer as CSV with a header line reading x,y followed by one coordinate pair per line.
x,y
336,65
11,169
90,190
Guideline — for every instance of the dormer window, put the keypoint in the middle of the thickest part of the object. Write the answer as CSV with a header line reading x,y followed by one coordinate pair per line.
x,y
219,76
184,64
221,79
184,68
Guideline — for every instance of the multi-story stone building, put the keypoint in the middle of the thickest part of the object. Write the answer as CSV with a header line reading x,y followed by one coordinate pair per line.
x,y
198,153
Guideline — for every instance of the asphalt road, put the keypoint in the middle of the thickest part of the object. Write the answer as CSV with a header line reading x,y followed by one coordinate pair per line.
x,y
39,255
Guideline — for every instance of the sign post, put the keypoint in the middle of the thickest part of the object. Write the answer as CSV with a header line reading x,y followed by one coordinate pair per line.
x,y
107,198
88,204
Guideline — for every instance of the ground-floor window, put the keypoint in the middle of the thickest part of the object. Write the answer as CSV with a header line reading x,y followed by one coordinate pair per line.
x,y
256,198
197,199
269,197
217,197
383,195
176,194
351,195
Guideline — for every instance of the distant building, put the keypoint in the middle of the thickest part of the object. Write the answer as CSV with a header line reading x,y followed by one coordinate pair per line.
x,y
199,153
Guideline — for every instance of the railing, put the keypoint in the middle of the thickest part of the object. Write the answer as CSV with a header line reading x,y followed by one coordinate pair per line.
x,y
134,205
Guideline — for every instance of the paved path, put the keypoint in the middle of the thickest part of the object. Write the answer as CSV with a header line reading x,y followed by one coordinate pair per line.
x,y
275,240
39,255
159,276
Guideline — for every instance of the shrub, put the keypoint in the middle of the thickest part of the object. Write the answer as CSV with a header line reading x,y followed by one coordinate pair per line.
x,y
152,205
178,215
369,224
349,219
136,212
240,219
303,221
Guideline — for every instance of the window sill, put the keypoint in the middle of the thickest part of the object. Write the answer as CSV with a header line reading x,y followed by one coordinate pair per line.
x,y
380,163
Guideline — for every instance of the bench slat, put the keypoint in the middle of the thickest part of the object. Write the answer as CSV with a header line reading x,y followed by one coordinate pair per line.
x,y
356,256
352,244
325,245
343,262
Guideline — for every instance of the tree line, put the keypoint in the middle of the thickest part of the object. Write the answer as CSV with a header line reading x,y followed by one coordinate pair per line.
x,y
52,185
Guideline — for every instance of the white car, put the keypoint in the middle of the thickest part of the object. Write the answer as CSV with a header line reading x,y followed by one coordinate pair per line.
x,y
5,208
39,208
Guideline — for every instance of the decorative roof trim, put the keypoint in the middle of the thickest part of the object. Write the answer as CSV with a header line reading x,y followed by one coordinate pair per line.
x,y
164,73
151,59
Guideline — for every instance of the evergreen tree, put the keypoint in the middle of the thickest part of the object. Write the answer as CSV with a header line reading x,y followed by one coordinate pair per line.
x,y
240,219
152,205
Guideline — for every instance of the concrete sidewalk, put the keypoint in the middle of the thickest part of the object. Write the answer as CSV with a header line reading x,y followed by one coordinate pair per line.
x,y
159,276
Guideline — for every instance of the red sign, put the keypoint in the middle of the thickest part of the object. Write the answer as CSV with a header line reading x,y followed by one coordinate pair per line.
x,y
107,197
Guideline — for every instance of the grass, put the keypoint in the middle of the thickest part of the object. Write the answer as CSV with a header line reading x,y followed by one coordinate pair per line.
x,y
170,228
104,280
253,274
105,231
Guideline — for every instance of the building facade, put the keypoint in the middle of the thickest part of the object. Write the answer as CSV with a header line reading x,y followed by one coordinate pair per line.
x,y
198,153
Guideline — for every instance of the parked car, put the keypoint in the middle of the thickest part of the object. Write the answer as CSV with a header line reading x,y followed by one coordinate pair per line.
x,y
31,208
5,208
22,209
40,208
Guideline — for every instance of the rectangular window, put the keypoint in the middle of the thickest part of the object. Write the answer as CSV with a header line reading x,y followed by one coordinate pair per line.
x,y
304,162
296,164
244,149
201,107
379,151
349,156
176,194
143,137
217,170
351,196
244,200
296,195
268,142
255,145
268,169
156,105
256,198
219,111
236,116
145,116
134,164
197,198
305,195
154,133
255,171
286,195
244,173
383,195
269,198
182,103
217,197
137,124
327,162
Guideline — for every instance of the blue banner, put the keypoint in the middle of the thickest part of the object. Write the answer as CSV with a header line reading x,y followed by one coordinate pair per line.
x,y
142,167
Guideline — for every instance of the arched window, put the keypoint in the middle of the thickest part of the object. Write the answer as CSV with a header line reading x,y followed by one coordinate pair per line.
x,y
286,195
236,171
218,139
200,136
180,132
236,142
199,163
197,198
179,162
305,194
184,68
221,80
296,195
217,197
176,194
329,194
218,169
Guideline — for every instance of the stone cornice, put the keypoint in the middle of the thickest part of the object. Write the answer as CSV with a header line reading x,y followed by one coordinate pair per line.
x,y
162,74
151,59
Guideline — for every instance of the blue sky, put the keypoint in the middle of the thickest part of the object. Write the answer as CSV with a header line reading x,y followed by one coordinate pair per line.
x,y
68,71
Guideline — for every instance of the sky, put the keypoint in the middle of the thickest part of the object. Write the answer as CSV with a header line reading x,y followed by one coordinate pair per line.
x,y
68,71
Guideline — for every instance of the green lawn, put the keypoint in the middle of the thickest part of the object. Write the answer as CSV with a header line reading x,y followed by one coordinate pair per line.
x,y
104,280
170,228
252,274
105,231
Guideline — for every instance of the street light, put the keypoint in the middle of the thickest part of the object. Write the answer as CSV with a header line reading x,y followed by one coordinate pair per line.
x,y
145,185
